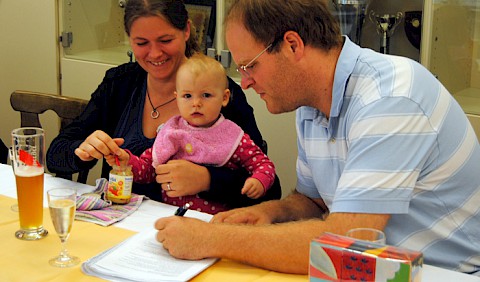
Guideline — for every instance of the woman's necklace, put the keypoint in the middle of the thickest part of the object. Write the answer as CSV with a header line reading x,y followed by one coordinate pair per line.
x,y
155,114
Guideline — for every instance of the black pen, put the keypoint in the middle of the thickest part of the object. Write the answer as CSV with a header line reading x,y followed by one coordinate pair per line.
x,y
182,210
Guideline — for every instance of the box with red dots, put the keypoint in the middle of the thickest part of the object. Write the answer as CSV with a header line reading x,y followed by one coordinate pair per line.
x,y
340,258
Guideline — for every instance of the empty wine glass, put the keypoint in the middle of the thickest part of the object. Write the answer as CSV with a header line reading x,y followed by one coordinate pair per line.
x,y
62,203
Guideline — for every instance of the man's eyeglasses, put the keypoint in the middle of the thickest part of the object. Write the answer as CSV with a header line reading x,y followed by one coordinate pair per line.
x,y
243,70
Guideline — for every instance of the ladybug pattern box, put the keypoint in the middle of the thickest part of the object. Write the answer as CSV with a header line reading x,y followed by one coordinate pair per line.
x,y
340,258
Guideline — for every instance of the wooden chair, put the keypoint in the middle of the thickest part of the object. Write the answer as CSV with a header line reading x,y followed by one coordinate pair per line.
x,y
32,104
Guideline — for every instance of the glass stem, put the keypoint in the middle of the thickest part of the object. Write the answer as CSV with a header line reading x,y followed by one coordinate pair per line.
x,y
64,252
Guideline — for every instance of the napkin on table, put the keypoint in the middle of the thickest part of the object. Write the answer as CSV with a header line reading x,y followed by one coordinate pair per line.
x,y
93,206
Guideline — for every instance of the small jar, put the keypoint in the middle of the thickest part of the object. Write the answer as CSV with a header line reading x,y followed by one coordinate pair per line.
x,y
120,184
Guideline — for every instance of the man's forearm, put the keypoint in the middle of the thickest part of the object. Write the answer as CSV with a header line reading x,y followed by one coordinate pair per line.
x,y
278,247
294,207
282,247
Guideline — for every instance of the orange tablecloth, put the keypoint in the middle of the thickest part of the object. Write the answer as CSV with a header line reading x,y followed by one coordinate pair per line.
x,y
28,260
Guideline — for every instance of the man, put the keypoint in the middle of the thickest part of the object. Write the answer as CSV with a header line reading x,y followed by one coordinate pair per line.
x,y
382,144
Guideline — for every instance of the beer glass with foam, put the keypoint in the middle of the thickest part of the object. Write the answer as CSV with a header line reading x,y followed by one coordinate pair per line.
x,y
28,161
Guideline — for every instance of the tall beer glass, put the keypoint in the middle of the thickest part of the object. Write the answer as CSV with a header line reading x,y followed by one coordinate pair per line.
x,y
28,152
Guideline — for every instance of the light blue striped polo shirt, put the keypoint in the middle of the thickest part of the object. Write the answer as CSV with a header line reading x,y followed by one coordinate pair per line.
x,y
396,142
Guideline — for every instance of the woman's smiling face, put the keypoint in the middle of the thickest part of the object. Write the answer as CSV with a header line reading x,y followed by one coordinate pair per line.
x,y
158,46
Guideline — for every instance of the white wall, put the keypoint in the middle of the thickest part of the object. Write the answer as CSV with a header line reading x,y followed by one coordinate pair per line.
x,y
279,132
28,57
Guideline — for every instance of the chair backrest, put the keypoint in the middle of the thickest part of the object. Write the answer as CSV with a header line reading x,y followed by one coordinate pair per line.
x,y
32,104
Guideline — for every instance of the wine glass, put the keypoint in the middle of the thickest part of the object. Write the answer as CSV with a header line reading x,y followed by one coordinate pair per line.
x,y
62,203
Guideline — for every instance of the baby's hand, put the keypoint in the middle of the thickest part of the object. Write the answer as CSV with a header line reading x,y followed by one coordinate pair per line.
x,y
253,188
123,158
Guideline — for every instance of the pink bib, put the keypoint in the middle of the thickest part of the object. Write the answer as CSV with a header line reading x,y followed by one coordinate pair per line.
x,y
214,145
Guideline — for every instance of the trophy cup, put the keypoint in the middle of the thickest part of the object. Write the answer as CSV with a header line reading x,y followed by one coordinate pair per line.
x,y
351,16
386,25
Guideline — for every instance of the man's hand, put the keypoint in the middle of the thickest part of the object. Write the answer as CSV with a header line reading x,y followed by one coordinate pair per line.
x,y
183,237
255,215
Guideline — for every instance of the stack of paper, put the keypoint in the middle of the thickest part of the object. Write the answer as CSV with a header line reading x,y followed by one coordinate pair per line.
x,y
143,258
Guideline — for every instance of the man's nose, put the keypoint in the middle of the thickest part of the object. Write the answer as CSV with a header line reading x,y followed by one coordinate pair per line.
x,y
246,82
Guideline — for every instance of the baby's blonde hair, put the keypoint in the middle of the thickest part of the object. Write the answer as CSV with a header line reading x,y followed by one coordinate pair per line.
x,y
200,63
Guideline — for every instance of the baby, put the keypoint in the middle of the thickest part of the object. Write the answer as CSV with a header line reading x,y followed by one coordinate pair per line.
x,y
202,135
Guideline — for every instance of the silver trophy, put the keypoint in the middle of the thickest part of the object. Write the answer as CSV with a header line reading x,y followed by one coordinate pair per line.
x,y
351,16
386,25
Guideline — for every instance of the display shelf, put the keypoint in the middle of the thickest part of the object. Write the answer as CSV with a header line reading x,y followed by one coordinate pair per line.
x,y
113,55
451,50
469,100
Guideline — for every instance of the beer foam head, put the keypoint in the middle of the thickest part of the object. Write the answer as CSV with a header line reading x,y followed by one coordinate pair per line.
x,y
28,171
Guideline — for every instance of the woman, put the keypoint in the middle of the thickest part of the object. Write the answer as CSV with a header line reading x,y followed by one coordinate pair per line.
x,y
134,99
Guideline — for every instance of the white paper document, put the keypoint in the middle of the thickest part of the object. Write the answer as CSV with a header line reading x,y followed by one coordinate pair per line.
x,y
143,258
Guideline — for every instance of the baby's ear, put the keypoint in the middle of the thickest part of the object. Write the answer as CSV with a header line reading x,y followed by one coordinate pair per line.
x,y
226,97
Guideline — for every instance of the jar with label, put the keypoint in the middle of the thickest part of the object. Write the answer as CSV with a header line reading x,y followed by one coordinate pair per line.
x,y
120,184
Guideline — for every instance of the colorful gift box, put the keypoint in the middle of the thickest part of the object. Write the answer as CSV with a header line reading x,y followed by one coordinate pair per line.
x,y
340,258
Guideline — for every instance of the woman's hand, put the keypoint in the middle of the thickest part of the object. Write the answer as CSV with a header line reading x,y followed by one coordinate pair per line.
x,y
97,145
182,178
